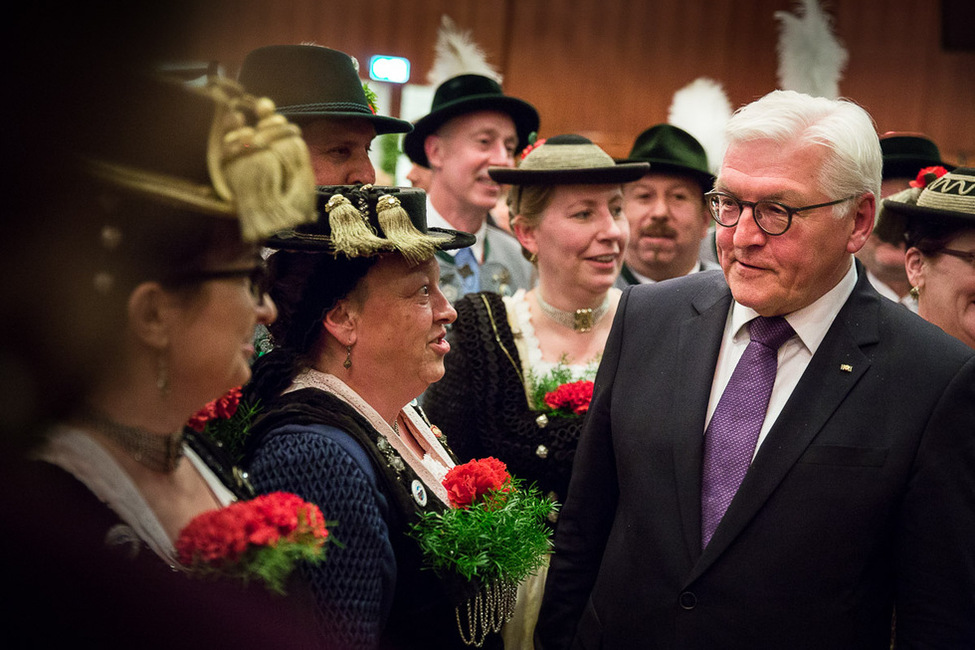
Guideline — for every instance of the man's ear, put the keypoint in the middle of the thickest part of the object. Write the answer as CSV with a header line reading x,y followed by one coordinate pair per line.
x,y
863,220
341,321
151,310
433,147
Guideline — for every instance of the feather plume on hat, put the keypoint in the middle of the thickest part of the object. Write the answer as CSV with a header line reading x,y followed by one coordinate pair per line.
x,y
811,58
456,53
702,109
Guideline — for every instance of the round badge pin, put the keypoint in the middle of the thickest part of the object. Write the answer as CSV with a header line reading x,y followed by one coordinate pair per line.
x,y
419,492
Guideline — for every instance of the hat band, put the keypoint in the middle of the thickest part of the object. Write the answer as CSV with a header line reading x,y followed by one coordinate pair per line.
x,y
950,193
327,107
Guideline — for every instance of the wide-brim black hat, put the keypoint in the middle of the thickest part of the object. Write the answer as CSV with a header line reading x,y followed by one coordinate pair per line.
x,y
904,155
463,94
366,220
310,82
671,149
568,160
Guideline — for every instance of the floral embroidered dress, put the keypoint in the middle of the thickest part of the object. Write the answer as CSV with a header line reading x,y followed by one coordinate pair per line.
x,y
482,404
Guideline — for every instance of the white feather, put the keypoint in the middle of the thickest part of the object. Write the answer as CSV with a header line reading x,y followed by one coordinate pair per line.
x,y
457,53
811,58
702,109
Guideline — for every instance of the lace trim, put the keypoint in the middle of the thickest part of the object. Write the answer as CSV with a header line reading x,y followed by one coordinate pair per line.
x,y
519,318
434,464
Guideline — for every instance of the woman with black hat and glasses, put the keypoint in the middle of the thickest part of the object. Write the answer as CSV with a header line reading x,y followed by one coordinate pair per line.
x,y
937,218
154,294
515,383
361,332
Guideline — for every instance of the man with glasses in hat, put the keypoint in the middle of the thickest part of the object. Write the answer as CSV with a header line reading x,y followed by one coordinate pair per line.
x,y
472,125
665,208
754,470
319,89
904,155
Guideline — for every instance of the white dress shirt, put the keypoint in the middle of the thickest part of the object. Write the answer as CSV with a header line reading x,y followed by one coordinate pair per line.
x,y
435,220
810,324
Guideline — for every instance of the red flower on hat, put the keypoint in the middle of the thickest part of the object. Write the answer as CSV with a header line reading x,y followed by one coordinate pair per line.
x,y
927,175
534,145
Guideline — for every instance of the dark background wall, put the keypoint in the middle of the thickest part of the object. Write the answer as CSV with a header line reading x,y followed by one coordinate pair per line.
x,y
609,68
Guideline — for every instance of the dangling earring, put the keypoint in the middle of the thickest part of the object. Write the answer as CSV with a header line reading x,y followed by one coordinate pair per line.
x,y
348,357
533,258
915,292
162,376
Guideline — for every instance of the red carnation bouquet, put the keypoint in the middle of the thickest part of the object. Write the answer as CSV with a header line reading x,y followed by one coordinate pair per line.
x,y
226,420
261,539
493,537
570,399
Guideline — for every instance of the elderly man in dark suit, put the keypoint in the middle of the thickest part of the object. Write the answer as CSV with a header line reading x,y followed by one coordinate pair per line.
x,y
775,457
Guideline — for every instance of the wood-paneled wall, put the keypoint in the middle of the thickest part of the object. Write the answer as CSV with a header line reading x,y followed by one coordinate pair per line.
x,y
610,68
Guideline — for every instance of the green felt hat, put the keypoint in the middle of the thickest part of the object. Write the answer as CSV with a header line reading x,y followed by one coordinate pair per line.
x,y
311,81
671,149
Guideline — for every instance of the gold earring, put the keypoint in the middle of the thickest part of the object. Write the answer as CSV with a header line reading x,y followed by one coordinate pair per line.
x,y
915,292
533,258
348,357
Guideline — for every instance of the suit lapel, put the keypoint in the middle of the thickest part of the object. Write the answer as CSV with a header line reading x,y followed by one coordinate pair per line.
x,y
699,341
834,370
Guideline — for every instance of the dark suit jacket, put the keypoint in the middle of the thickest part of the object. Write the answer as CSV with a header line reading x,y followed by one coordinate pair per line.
x,y
861,496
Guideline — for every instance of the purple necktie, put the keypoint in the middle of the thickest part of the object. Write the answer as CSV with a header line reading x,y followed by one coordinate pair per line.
x,y
729,442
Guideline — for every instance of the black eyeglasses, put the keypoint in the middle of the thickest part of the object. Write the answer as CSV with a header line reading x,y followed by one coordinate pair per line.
x,y
772,217
968,256
256,279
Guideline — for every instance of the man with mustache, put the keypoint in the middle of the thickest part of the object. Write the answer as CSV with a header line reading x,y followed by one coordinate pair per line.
x,y
665,209
471,126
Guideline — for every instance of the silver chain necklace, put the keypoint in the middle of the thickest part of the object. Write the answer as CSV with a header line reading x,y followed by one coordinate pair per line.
x,y
580,320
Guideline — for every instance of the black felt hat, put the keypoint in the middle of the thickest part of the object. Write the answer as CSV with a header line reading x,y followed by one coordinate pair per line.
x,y
365,220
464,94
311,81
568,160
905,154
671,149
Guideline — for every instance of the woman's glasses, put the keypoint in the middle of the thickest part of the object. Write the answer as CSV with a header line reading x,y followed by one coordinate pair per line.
x,y
256,279
968,256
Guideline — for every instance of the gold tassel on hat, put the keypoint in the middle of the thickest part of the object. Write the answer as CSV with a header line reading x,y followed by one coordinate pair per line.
x,y
396,224
350,232
268,173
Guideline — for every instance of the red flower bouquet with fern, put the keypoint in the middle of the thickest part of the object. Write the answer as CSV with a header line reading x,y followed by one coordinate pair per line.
x,y
493,537
260,539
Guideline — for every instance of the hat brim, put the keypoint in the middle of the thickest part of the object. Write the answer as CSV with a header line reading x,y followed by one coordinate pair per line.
x,y
381,123
704,179
522,113
623,173
913,211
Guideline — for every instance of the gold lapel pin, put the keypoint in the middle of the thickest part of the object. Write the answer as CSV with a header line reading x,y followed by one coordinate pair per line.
x,y
845,367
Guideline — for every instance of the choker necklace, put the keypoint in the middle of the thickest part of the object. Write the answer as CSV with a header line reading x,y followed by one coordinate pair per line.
x,y
159,453
580,320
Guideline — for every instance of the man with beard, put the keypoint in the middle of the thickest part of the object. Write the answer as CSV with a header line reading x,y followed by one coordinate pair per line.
x,y
665,209
471,126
